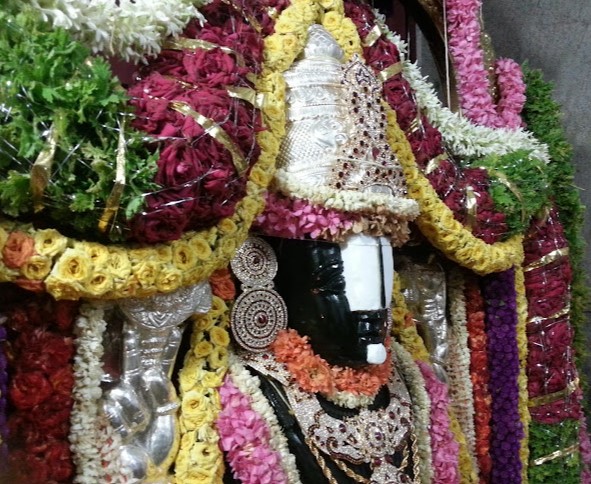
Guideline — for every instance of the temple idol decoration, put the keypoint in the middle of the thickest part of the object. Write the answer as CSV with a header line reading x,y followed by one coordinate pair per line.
x,y
245,242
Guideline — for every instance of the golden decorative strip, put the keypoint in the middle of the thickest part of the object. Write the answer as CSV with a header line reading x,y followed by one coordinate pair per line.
x,y
182,43
556,396
390,71
415,124
112,204
547,259
539,319
215,131
556,455
247,94
41,170
272,12
511,187
471,206
435,162
254,23
373,36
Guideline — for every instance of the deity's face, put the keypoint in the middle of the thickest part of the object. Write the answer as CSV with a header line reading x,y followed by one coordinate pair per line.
x,y
338,295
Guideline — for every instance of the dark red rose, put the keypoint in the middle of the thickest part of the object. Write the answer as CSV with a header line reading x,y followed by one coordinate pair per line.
x,y
381,55
18,320
44,351
65,313
160,224
212,68
28,389
26,467
59,460
362,16
62,380
52,417
398,95
180,163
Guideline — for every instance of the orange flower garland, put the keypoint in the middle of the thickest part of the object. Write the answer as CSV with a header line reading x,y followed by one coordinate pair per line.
x,y
314,374
479,375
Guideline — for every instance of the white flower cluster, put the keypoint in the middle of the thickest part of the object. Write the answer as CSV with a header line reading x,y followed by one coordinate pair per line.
x,y
462,137
85,433
128,29
458,361
249,385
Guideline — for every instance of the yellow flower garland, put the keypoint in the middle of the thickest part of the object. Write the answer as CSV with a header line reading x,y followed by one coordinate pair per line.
x,y
199,459
71,269
522,379
437,223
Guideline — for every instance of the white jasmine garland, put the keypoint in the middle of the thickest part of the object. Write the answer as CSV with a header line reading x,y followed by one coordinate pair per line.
x,y
461,136
458,361
249,385
346,200
85,435
421,408
128,29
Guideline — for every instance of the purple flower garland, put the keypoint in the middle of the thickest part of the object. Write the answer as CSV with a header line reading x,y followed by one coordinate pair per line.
x,y
3,395
501,326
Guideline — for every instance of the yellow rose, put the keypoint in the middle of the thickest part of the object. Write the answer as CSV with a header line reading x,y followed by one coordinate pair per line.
x,y
201,247
128,288
218,358
204,322
211,379
332,5
290,43
74,265
138,256
100,283
332,21
227,226
218,307
267,141
259,177
205,454
196,475
202,349
169,280
195,410
97,253
37,267
48,242
183,257
119,265
164,253
251,206
60,289
187,376
219,336
228,247
146,272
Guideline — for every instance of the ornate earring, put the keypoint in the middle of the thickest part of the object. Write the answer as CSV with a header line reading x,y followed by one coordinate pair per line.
x,y
259,313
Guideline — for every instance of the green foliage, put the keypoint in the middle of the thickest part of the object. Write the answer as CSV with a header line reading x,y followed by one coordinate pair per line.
x,y
519,187
50,82
543,117
546,439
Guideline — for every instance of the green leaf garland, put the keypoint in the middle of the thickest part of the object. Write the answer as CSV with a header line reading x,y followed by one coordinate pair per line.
x,y
543,117
50,82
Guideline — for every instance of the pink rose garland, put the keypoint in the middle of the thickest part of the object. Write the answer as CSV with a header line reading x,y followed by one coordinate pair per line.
x,y
245,437
445,449
472,77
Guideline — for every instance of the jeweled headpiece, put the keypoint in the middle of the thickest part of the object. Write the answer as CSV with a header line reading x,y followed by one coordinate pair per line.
x,y
335,152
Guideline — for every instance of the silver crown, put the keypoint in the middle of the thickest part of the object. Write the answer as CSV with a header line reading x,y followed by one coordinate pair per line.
x,y
336,132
